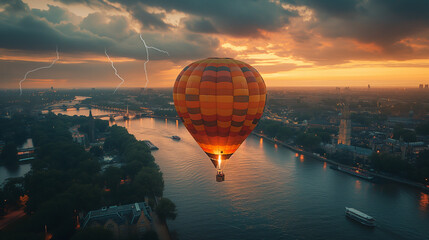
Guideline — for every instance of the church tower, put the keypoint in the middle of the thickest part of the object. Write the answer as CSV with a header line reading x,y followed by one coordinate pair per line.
x,y
91,127
345,126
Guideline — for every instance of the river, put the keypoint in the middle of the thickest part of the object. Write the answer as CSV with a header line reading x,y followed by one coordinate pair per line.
x,y
269,193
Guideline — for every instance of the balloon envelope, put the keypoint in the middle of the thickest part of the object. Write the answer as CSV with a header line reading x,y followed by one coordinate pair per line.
x,y
220,101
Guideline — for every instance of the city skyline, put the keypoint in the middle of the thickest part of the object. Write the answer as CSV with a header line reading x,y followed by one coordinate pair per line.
x,y
291,43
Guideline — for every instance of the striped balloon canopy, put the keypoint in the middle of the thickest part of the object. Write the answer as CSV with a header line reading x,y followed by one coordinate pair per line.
x,y
220,101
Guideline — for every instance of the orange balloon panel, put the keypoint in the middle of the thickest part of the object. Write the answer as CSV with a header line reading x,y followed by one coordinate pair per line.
x,y
220,101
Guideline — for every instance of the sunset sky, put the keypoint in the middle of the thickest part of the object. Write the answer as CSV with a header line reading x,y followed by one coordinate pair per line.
x,y
290,42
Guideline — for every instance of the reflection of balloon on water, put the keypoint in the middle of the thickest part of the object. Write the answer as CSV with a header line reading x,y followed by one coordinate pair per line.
x,y
220,101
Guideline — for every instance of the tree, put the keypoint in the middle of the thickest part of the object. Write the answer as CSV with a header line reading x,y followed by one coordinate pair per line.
x,y
112,177
96,151
422,167
389,163
308,141
9,155
149,182
400,132
150,235
12,190
94,233
166,209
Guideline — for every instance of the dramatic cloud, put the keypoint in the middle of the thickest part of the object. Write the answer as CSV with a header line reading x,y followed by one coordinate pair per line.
x,y
40,30
233,17
199,25
383,22
284,39
56,15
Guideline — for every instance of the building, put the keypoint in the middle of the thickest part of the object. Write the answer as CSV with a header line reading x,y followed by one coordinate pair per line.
x,y
76,135
407,150
345,127
357,152
91,127
124,221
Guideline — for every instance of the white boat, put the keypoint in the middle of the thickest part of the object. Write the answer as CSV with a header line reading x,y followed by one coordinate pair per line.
x,y
360,217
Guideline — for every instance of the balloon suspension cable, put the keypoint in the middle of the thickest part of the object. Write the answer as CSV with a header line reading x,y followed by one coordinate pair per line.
x,y
219,165
220,176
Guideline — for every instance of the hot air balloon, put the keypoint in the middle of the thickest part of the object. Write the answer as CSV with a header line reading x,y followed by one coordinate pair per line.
x,y
220,101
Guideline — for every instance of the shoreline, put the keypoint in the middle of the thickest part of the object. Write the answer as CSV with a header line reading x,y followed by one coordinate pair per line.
x,y
396,179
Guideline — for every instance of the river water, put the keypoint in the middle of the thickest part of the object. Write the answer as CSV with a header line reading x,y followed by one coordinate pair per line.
x,y
269,193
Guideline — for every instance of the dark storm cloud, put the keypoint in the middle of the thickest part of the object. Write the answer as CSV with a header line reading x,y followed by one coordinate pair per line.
x,y
41,30
91,3
343,8
30,33
148,20
232,17
384,22
13,5
55,14
200,25
115,27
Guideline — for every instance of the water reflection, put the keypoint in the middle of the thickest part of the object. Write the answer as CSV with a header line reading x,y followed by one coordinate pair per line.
x,y
358,185
271,195
424,201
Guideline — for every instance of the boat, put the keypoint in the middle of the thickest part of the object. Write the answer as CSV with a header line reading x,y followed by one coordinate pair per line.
x,y
354,171
360,217
150,145
176,137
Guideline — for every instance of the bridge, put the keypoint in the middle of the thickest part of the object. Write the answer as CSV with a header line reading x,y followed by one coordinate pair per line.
x,y
114,111
66,106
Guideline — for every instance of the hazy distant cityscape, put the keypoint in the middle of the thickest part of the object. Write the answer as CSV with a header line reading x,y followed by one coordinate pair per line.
x,y
371,134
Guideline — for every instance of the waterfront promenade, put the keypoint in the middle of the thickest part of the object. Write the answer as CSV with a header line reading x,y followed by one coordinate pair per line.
x,y
312,155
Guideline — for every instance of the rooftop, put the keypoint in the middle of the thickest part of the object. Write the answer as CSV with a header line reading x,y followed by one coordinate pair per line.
x,y
129,213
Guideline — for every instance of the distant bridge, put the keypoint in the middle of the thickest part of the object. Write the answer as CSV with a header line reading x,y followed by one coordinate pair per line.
x,y
67,106
115,112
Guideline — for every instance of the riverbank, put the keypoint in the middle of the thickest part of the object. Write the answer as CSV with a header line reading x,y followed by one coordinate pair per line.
x,y
312,155
274,175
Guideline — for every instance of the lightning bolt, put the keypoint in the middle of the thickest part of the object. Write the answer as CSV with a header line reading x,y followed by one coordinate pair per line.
x,y
116,71
37,69
147,58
